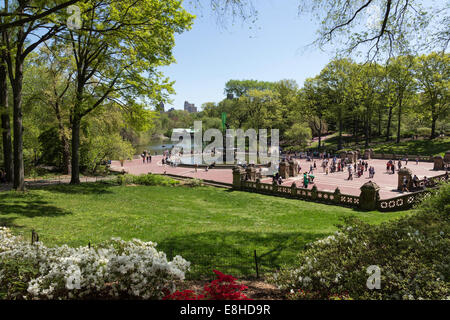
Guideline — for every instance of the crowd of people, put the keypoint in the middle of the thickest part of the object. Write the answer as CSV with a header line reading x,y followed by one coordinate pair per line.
x,y
146,157
330,164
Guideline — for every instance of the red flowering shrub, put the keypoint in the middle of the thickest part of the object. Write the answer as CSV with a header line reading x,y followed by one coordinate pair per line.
x,y
223,288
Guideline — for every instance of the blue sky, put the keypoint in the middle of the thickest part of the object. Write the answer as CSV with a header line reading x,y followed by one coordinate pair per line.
x,y
273,49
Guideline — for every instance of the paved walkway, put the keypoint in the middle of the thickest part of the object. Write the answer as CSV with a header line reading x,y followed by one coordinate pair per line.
x,y
136,167
386,181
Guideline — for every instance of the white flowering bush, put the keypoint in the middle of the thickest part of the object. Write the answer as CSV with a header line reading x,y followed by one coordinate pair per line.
x,y
116,269
413,254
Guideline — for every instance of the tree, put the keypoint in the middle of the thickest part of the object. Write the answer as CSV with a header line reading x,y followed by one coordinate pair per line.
x,y
299,135
336,78
58,93
433,73
5,121
379,27
20,41
18,18
237,88
116,54
316,97
402,84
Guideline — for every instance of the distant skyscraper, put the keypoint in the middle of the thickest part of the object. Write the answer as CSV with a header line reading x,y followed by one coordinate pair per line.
x,y
190,107
160,107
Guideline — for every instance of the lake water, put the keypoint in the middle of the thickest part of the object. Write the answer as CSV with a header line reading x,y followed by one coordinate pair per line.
x,y
155,146
159,146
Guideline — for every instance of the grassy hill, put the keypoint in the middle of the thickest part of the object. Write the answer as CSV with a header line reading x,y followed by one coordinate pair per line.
x,y
211,227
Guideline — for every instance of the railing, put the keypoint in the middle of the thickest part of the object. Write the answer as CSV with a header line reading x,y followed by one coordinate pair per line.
x,y
313,194
403,202
408,201
432,181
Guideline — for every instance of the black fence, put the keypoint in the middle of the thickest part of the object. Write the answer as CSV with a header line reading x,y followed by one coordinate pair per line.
x,y
245,263
248,264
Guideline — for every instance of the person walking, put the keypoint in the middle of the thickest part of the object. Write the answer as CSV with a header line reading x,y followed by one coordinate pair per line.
x,y
305,180
415,181
405,184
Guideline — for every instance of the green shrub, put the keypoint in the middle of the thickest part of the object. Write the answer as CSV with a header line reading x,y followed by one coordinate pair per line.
x,y
423,132
146,180
413,254
116,269
125,179
194,183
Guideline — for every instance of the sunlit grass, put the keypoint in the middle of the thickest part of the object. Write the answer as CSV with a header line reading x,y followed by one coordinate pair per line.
x,y
211,227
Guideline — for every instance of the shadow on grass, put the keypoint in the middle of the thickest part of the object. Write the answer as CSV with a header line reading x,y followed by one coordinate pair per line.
x,y
83,188
8,222
234,252
25,205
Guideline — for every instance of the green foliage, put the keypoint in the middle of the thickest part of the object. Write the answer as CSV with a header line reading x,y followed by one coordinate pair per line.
x,y
239,88
15,276
147,180
299,135
97,149
194,183
423,132
413,254
51,148
207,226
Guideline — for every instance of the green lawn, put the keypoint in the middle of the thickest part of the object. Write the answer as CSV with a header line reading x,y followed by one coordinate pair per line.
x,y
416,147
211,227
423,147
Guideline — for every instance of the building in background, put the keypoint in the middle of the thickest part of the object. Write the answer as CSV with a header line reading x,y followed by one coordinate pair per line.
x,y
190,107
161,108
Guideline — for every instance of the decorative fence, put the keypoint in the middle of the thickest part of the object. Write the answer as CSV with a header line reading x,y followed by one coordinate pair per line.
x,y
402,202
408,201
433,181
313,194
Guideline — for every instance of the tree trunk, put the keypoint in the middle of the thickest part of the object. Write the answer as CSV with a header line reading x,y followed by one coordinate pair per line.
x,y
434,118
399,119
76,122
340,130
379,122
320,133
64,141
6,126
367,131
388,131
19,174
